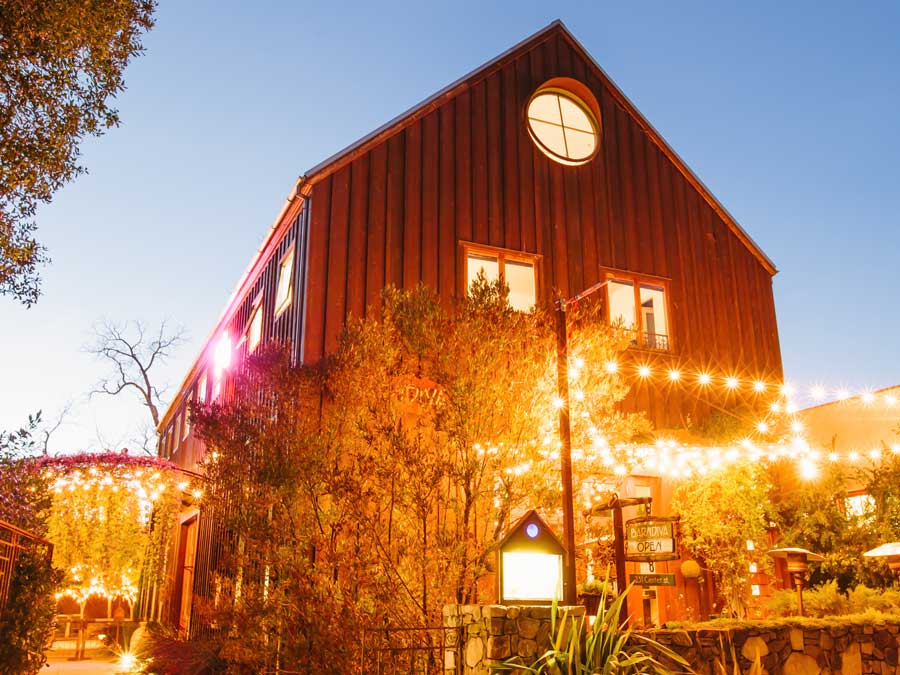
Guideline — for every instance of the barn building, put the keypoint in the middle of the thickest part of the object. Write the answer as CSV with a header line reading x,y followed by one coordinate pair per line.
x,y
535,168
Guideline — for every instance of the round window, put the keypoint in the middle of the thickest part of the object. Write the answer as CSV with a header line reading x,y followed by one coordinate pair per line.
x,y
562,126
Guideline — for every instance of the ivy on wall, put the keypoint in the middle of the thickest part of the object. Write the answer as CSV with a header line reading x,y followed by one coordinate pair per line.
x,y
109,520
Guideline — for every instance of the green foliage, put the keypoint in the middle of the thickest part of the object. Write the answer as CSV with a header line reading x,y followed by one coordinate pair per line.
x,y
828,600
597,586
26,624
24,494
163,652
374,487
61,63
813,515
607,648
27,620
109,522
720,512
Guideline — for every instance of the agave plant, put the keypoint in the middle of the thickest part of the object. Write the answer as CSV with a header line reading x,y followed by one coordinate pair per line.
x,y
609,647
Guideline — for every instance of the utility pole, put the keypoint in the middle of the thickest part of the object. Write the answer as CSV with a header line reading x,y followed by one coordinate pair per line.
x,y
565,439
565,452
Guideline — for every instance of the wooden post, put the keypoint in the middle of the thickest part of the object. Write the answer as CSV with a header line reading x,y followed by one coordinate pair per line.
x,y
619,537
565,453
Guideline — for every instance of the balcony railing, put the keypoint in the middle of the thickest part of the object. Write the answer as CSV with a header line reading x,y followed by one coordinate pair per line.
x,y
646,340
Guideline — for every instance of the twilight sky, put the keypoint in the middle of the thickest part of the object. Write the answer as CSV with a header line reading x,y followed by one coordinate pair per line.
x,y
787,111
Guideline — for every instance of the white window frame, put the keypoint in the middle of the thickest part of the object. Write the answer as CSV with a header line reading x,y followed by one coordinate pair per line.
x,y
186,425
255,313
502,255
281,304
641,339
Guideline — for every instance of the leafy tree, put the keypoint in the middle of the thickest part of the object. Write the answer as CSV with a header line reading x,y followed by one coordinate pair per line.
x,y
27,620
813,515
60,63
24,494
274,488
109,519
373,487
720,512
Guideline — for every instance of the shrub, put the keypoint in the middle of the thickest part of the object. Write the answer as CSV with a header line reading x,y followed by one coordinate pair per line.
x,y
827,600
27,623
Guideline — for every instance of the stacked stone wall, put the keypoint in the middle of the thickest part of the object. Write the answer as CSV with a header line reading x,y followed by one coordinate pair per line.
x,y
489,634
846,649
486,635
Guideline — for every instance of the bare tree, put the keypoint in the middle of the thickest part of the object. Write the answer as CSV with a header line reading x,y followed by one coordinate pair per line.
x,y
132,352
52,426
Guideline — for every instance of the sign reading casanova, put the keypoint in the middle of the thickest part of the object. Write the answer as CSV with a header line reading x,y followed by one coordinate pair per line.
x,y
650,539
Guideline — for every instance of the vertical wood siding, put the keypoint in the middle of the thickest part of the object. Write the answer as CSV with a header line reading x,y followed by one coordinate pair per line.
x,y
286,328
467,171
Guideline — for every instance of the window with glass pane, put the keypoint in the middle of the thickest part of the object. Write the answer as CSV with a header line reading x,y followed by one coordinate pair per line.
x,y
485,264
640,306
187,418
562,126
621,303
653,317
283,292
201,389
519,276
255,333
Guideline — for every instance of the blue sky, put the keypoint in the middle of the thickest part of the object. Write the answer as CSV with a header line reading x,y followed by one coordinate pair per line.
x,y
787,111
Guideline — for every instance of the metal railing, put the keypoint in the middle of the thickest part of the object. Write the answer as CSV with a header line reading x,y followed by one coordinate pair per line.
x,y
645,340
410,651
12,541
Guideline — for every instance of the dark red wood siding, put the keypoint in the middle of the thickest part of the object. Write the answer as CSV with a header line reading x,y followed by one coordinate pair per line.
x,y
466,170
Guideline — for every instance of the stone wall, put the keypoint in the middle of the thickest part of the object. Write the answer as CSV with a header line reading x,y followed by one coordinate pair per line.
x,y
849,649
489,634
485,635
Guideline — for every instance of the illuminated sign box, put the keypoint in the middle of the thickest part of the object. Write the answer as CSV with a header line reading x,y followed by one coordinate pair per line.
x,y
530,564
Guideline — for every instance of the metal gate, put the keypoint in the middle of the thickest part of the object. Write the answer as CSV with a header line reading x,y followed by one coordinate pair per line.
x,y
12,541
411,651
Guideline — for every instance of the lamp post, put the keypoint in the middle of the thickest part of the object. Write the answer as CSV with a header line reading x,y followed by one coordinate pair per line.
x,y
565,438
798,560
891,552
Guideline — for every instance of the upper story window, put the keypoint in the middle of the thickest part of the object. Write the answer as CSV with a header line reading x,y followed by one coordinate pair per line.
x,y
254,332
185,432
176,432
562,124
283,292
518,271
640,306
201,389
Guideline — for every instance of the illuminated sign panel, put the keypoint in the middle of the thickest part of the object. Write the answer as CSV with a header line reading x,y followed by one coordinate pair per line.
x,y
532,577
530,564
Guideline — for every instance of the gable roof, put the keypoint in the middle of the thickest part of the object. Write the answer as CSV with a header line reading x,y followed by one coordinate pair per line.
x,y
556,28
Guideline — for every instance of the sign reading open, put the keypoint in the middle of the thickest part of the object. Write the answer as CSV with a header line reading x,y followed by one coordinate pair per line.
x,y
650,539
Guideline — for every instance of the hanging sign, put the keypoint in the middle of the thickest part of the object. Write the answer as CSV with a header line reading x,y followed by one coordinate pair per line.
x,y
650,539
652,579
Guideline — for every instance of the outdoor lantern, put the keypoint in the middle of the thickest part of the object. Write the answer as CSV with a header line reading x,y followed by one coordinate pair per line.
x,y
891,552
530,564
798,560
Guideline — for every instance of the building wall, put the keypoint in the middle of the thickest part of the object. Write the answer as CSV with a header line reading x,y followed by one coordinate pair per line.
x,y
396,208
467,171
